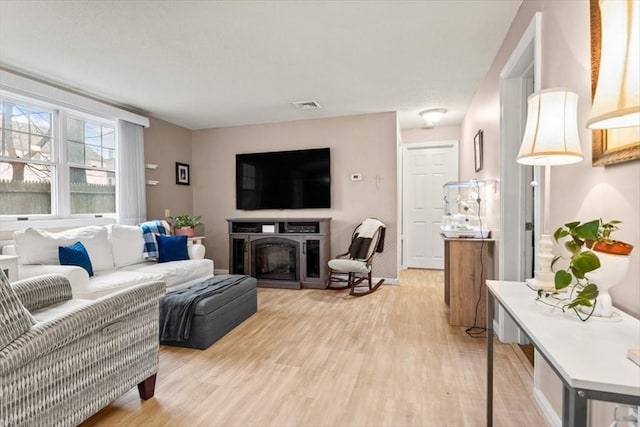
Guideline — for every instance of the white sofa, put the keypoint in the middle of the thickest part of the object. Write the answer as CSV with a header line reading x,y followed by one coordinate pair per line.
x,y
116,254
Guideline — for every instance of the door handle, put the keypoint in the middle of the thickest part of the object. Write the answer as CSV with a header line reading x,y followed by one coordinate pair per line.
x,y
528,226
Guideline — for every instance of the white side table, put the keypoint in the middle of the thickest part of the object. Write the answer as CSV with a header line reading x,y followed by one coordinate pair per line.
x,y
9,264
196,239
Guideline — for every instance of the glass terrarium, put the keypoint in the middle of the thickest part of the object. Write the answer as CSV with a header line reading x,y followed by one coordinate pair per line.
x,y
465,206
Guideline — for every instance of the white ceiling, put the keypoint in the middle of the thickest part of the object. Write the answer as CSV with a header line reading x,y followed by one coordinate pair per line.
x,y
204,64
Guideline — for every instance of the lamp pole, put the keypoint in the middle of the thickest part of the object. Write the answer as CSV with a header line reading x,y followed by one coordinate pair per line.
x,y
543,276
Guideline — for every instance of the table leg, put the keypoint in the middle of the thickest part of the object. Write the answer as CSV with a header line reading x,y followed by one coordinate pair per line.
x,y
574,407
490,309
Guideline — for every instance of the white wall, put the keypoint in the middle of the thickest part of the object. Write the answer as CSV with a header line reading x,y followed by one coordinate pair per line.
x,y
438,133
580,191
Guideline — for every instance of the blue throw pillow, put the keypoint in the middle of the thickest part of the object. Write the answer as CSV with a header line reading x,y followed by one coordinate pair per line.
x,y
75,254
172,248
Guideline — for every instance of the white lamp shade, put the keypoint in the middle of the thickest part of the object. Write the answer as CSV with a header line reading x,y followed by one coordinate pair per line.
x,y
617,99
551,133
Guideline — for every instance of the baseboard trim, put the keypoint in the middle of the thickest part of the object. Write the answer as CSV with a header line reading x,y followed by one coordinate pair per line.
x,y
545,407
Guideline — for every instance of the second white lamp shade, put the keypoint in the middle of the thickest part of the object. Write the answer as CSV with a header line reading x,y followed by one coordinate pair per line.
x,y
617,99
551,133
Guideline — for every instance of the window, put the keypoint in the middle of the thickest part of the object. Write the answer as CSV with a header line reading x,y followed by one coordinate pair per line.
x,y
91,149
26,161
55,162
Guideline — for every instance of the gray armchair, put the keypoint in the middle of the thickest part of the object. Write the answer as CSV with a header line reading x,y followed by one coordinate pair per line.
x,y
62,359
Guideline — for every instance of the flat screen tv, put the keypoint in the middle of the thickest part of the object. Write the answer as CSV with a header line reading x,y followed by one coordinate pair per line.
x,y
299,179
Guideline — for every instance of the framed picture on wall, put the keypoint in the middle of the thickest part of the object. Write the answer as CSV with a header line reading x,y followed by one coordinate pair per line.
x,y
182,174
477,150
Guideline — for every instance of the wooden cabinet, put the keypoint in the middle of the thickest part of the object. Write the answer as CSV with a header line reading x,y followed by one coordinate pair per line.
x,y
283,252
468,263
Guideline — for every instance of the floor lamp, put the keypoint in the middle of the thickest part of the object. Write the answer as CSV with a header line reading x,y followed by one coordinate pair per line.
x,y
550,139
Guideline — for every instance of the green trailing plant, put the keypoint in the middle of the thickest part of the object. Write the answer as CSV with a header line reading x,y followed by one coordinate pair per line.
x,y
579,239
184,221
605,230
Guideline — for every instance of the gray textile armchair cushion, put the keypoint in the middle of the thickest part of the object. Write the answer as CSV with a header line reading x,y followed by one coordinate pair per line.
x,y
42,291
68,367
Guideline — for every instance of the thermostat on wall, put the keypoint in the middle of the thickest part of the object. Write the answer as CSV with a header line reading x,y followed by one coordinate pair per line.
x,y
356,177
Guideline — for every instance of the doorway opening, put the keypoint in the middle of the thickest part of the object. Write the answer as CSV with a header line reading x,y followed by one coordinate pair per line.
x,y
520,211
519,204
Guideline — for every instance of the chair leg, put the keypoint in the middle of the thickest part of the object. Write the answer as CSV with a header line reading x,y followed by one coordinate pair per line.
x,y
352,281
334,277
147,387
371,288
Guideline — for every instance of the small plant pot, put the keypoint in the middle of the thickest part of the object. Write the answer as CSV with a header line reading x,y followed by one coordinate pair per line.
x,y
614,248
184,231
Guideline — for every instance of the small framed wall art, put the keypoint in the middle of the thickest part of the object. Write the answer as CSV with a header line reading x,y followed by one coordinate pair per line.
x,y
477,150
182,174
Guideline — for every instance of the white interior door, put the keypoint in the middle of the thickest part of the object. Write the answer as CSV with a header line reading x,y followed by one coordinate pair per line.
x,y
426,168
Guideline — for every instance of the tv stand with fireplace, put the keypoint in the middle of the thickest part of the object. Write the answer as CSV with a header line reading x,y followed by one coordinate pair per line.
x,y
287,253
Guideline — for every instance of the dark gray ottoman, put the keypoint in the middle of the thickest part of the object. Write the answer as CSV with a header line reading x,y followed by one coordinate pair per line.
x,y
218,314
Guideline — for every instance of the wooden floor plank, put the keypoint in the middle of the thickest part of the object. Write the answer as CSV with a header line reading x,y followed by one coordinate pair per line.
x,y
317,357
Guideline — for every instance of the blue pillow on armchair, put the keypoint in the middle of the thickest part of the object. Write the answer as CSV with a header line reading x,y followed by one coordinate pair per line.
x,y
172,248
75,254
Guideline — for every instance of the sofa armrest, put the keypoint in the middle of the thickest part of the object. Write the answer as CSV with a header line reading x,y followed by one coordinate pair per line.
x,y
41,291
77,276
102,316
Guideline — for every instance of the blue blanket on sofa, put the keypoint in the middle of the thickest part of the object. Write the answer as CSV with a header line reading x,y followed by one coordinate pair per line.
x,y
149,228
177,308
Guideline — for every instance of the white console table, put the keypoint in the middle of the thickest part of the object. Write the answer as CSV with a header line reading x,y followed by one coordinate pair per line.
x,y
589,357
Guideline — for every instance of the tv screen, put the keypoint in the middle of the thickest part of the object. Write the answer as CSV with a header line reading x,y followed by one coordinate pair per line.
x,y
299,179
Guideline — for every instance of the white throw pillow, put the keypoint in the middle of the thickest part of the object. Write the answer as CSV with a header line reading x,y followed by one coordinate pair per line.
x,y
127,245
41,247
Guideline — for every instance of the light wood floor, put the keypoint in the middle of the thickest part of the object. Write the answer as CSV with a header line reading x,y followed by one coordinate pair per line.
x,y
316,357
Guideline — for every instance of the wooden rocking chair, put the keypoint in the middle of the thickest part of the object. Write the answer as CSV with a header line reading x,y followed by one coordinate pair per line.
x,y
350,269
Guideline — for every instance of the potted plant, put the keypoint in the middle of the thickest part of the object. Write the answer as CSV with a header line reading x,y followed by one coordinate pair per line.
x,y
184,225
596,263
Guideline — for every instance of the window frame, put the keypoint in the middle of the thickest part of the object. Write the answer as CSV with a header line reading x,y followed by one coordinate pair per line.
x,y
60,177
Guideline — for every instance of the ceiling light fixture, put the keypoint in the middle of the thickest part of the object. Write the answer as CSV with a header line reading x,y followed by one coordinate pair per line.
x,y
432,116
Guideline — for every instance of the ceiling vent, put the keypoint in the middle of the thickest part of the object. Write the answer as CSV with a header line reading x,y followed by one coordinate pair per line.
x,y
307,105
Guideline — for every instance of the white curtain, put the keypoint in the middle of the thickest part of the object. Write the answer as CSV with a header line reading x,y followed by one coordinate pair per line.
x,y
131,193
